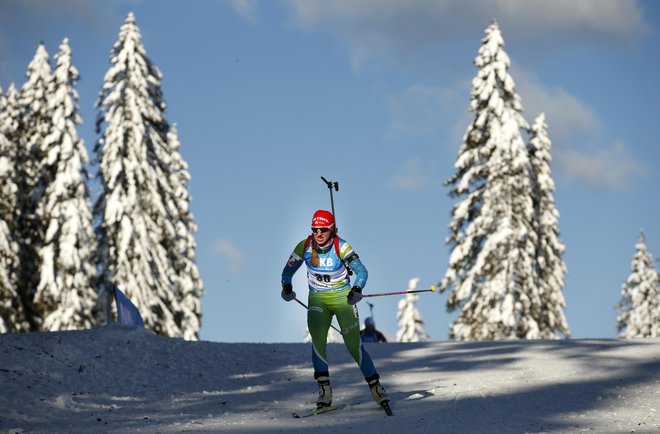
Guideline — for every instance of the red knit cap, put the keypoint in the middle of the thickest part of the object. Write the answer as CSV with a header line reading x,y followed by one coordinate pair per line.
x,y
323,219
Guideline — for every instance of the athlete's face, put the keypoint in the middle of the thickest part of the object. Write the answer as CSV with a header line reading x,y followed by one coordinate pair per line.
x,y
322,235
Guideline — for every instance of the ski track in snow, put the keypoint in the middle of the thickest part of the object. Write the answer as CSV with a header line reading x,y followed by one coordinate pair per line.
x,y
115,379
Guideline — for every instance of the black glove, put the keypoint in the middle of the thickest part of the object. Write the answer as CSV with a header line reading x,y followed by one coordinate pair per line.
x,y
287,292
354,295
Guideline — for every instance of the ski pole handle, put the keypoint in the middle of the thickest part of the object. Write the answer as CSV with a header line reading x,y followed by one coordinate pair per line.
x,y
306,308
330,185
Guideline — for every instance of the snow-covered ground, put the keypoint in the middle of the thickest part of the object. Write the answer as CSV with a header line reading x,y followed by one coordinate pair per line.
x,y
116,379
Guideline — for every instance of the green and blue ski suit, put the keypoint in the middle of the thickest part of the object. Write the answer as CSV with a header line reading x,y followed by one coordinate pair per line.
x,y
329,285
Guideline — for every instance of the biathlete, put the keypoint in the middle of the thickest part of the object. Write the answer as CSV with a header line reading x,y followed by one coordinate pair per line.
x,y
328,259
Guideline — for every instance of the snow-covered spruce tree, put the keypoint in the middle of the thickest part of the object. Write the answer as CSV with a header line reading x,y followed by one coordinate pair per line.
x,y
639,308
66,293
12,317
188,283
550,267
410,321
491,270
34,126
136,227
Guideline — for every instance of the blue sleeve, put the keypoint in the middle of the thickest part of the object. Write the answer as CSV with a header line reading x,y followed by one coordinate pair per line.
x,y
360,273
290,269
294,262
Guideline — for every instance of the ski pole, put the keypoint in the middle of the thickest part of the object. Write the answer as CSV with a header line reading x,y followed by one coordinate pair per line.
x,y
398,292
306,308
330,185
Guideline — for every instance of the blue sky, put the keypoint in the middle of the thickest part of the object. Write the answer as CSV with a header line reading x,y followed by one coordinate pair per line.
x,y
269,96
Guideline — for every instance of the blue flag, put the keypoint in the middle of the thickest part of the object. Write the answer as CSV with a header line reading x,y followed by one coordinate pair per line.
x,y
127,313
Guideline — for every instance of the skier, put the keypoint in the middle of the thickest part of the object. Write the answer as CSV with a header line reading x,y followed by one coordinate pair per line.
x,y
328,258
369,333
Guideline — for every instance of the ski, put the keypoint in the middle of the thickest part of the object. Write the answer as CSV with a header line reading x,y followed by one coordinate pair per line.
x,y
385,405
316,411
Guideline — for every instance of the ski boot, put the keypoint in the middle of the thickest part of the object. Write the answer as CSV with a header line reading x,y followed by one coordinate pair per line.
x,y
378,391
380,395
325,393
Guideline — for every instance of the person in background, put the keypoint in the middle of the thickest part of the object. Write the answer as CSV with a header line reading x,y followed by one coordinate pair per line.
x,y
369,333
329,259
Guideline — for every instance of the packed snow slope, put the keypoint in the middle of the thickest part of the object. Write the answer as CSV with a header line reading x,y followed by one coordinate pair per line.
x,y
116,379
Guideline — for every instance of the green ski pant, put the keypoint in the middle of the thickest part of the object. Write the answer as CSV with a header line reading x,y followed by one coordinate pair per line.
x,y
322,307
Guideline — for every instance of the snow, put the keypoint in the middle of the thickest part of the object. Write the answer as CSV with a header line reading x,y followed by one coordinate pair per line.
x,y
115,379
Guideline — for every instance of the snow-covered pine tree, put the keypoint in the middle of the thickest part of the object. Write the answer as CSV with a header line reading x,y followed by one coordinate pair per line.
x,y
132,206
181,247
66,293
12,316
35,125
410,320
490,272
550,267
639,308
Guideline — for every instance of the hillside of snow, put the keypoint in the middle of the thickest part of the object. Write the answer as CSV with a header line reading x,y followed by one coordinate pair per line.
x,y
115,379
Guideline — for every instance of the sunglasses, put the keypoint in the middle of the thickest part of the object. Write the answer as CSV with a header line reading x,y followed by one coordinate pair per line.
x,y
322,230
